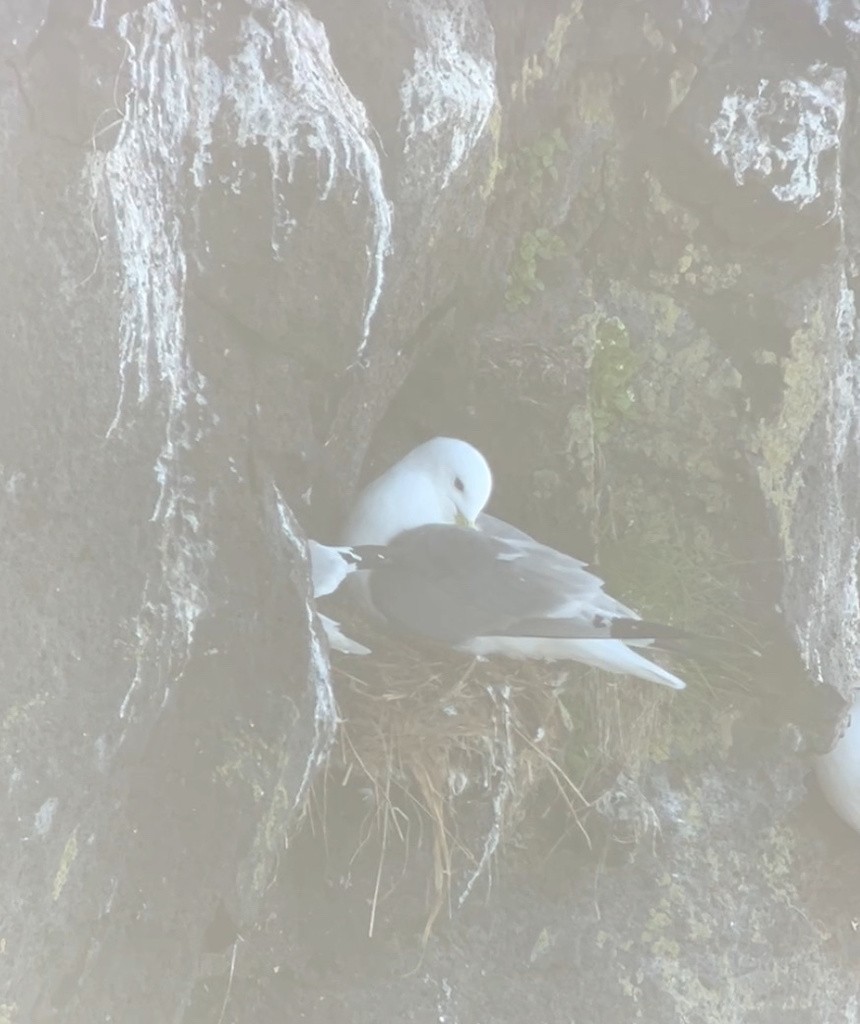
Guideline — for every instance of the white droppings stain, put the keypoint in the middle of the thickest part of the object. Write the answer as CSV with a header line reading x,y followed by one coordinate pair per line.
x,y
846,311
143,179
141,651
207,96
500,766
113,888
458,782
829,634
316,114
444,1004
822,9
449,94
326,717
701,10
12,482
281,91
782,131
102,752
97,14
44,817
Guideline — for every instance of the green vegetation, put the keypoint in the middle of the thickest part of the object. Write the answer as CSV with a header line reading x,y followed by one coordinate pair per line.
x,y
531,167
523,279
613,368
533,164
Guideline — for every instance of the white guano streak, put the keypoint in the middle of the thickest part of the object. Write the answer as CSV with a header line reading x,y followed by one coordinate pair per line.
x,y
835,602
317,112
450,94
175,94
141,179
325,706
783,129
701,10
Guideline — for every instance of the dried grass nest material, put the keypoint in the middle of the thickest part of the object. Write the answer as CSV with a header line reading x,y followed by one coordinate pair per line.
x,y
465,746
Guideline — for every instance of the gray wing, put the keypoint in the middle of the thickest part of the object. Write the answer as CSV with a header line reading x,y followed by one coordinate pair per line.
x,y
560,562
452,584
501,530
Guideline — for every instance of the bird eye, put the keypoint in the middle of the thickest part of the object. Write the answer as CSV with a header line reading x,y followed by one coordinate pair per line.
x,y
458,483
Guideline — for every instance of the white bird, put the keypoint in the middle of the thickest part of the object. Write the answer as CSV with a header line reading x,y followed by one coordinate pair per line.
x,y
493,589
839,771
440,481
330,566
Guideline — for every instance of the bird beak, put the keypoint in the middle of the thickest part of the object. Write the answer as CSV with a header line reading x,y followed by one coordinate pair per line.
x,y
462,520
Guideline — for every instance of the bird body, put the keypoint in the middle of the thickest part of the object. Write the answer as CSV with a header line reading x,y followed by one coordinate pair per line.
x,y
489,596
490,589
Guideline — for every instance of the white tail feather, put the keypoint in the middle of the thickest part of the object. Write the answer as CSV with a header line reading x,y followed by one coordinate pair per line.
x,y
609,655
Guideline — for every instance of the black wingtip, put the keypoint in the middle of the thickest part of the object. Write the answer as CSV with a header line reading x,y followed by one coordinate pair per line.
x,y
641,629
681,641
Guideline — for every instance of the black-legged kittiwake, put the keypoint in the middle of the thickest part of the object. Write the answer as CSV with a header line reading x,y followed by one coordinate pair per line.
x,y
493,589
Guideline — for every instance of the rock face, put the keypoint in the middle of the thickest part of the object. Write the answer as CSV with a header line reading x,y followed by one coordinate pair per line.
x,y
249,244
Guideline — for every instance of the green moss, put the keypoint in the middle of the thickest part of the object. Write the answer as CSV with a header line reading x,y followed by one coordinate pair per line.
x,y
271,833
594,97
676,571
777,860
664,558
70,853
613,368
687,393
544,942
538,246
533,165
673,214
532,71
632,991
667,930
20,715
536,65
580,452
531,168
248,761
805,384
264,769
497,164
680,83
558,33
664,395
666,566
667,313
696,268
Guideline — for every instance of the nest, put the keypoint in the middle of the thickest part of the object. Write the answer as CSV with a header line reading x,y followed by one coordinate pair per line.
x,y
464,749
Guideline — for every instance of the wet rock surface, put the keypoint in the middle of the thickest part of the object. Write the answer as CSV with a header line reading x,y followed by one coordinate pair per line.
x,y
253,247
